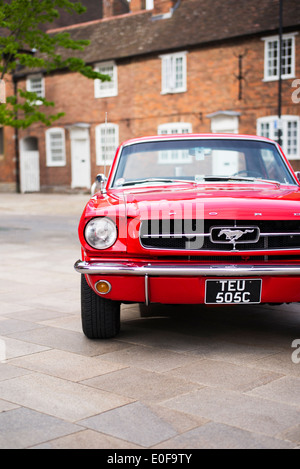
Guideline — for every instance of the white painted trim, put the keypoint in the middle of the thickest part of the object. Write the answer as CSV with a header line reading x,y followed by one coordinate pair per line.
x,y
49,160
106,92
269,39
100,158
28,85
166,86
285,119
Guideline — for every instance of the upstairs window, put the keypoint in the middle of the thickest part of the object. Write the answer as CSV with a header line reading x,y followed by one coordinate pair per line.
x,y
55,147
35,84
268,127
174,156
272,54
173,73
107,141
104,89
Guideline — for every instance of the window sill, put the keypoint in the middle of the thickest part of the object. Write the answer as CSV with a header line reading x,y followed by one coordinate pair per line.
x,y
173,92
56,165
111,95
104,163
284,77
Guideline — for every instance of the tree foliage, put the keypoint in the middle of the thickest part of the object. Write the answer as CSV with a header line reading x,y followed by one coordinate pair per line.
x,y
25,44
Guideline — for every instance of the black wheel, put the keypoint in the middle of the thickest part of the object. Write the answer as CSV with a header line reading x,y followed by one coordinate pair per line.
x,y
100,316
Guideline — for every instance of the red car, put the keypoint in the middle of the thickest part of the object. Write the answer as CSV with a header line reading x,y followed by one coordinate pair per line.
x,y
198,219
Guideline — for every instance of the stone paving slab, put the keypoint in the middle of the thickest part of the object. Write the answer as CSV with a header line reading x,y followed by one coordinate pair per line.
x,y
240,410
175,378
134,423
66,365
59,397
219,436
23,427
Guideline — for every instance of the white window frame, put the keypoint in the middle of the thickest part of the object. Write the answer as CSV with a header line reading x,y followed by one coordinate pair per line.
x,y
41,93
49,157
275,76
174,156
149,4
272,122
175,128
106,89
168,73
100,143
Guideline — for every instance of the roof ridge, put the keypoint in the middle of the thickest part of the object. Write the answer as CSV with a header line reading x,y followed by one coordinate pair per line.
x,y
99,20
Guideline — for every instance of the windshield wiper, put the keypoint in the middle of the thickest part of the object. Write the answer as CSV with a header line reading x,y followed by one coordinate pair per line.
x,y
239,178
228,178
163,180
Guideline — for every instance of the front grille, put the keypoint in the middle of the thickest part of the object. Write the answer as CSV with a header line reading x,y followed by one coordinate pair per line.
x,y
198,235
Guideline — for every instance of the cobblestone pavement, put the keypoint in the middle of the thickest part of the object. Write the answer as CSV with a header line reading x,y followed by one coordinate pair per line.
x,y
176,378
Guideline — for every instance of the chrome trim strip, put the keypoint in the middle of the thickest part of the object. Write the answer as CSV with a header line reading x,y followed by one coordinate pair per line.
x,y
291,233
185,270
146,290
206,235
174,235
214,252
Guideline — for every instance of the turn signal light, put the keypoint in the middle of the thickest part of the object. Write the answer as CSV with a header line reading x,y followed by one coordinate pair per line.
x,y
103,287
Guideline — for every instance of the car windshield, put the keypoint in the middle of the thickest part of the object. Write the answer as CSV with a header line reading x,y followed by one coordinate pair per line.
x,y
194,160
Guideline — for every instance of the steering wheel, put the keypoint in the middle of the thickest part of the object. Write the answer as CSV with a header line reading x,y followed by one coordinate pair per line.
x,y
247,173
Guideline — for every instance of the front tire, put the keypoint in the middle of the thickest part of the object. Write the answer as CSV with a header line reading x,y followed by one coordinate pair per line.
x,y
100,317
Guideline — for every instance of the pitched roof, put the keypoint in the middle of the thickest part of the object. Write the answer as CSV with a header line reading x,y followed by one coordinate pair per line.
x,y
194,22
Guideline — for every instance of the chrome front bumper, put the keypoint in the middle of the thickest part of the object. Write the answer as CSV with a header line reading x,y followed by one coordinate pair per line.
x,y
185,270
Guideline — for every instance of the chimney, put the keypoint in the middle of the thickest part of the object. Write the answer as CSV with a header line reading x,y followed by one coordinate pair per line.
x,y
159,7
136,5
114,8
107,8
163,6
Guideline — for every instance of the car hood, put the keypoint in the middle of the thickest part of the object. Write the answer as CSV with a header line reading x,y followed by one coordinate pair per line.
x,y
215,201
211,201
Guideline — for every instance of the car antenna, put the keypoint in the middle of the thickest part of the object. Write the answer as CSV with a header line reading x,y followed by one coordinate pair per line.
x,y
105,144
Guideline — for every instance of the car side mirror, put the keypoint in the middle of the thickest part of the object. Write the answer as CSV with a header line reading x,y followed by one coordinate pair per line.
x,y
99,184
298,175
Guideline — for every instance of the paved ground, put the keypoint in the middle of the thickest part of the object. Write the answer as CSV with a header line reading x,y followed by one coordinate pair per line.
x,y
179,378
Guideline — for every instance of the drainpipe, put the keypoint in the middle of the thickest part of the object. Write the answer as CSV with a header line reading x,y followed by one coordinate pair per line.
x,y
17,153
280,74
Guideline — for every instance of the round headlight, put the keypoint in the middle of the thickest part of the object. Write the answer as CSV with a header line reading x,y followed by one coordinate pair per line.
x,y
101,233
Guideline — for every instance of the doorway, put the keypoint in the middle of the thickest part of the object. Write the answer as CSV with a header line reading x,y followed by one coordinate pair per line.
x,y
80,155
29,165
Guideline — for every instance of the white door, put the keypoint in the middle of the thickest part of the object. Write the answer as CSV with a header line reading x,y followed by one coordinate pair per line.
x,y
225,163
29,171
81,163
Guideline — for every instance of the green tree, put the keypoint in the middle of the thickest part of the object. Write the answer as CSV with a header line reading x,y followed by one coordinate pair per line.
x,y
25,44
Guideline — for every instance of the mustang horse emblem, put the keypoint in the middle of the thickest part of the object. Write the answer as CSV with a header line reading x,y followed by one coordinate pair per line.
x,y
233,235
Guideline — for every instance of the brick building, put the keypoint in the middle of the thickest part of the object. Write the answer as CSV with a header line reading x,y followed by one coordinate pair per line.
x,y
175,66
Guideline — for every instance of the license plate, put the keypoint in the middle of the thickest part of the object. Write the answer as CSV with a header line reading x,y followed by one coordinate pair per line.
x,y
233,291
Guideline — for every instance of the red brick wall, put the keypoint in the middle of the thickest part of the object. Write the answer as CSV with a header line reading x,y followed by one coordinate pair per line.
x,y
140,107
160,6
7,159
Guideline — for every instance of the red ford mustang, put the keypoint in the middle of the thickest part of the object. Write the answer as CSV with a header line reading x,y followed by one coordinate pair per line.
x,y
199,219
